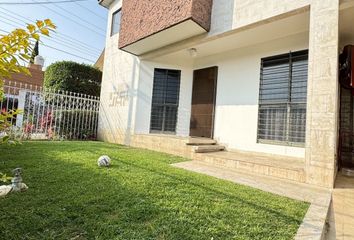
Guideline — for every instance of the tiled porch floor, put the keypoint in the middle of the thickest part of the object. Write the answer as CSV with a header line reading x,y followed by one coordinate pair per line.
x,y
343,205
261,158
284,167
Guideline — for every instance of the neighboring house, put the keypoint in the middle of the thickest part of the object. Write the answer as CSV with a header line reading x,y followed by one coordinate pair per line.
x,y
16,87
100,61
31,82
258,76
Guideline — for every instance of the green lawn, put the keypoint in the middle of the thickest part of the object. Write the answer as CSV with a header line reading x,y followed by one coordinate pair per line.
x,y
140,197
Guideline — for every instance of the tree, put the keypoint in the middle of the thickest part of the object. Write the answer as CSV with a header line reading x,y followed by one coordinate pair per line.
x,y
73,77
35,52
15,47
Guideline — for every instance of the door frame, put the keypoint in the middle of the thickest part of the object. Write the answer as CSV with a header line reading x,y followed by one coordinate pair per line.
x,y
214,98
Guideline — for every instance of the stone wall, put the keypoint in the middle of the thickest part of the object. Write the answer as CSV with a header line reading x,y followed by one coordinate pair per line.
x,y
163,143
322,98
252,11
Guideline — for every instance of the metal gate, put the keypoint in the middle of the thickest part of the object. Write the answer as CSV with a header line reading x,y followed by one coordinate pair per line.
x,y
46,114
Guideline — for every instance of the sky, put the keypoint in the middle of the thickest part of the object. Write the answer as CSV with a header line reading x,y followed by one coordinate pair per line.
x,y
80,33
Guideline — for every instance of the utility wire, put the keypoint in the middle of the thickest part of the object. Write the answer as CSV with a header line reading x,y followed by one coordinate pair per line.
x,y
69,46
89,10
74,55
39,3
3,20
60,50
78,17
61,40
60,35
74,21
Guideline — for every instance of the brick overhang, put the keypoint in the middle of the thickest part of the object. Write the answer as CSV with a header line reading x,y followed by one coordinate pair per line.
x,y
147,25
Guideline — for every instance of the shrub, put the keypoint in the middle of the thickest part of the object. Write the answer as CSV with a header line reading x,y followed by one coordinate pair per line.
x,y
73,77
77,124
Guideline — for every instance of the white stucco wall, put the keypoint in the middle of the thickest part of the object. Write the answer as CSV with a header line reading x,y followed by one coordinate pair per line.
x,y
142,125
127,87
118,91
237,93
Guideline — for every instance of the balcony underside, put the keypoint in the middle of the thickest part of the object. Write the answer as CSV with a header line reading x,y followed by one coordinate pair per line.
x,y
173,34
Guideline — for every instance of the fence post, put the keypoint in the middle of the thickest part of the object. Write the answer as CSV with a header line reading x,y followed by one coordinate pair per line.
x,y
21,106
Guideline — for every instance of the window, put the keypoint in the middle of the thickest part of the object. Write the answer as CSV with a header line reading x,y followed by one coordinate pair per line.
x,y
165,98
116,22
282,99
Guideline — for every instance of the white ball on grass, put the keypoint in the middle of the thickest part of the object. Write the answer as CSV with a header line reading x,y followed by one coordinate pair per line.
x,y
104,161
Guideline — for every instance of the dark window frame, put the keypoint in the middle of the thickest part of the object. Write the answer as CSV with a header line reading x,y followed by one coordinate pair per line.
x,y
162,101
282,109
119,11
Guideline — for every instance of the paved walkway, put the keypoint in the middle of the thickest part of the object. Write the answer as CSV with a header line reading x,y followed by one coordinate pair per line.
x,y
343,205
313,226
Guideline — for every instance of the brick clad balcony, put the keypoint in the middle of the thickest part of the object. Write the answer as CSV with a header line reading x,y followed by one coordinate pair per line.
x,y
147,25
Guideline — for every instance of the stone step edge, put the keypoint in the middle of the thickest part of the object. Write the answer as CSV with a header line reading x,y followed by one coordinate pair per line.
x,y
208,148
301,172
246,161
200,143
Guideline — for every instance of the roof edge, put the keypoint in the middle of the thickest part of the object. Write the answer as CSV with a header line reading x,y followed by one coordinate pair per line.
x,y
105,3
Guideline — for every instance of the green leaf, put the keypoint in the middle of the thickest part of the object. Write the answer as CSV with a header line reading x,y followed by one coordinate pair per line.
x,y
5,139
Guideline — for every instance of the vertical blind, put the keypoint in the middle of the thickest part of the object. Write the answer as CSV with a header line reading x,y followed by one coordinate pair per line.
x,y
165,97
282,98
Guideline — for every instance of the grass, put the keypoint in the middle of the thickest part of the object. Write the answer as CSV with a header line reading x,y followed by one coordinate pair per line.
x,y
140,197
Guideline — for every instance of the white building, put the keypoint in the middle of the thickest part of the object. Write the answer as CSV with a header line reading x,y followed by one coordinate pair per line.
x,y
259,77
256,76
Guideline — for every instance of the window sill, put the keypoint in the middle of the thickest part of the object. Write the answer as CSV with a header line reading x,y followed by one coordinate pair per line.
x,y
280,143
162,132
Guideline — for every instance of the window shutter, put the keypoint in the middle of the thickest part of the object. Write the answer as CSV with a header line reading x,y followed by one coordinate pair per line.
x,y
282,98
165,98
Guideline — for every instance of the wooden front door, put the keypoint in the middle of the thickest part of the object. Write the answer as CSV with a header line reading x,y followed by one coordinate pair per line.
x,y
203,102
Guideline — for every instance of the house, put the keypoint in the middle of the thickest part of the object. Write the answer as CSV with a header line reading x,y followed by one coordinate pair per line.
x,y
31,82
259,77
100,61
16,87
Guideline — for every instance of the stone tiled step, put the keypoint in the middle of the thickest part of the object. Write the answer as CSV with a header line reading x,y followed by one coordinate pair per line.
x,y
268,165
196,141
208,148
343,206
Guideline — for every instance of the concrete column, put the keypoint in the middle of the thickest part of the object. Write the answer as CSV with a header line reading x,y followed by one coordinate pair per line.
x,y
322,103
21,106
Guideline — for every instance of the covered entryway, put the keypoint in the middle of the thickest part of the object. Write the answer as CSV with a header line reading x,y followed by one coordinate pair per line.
x,y
203,102
343,192
346,80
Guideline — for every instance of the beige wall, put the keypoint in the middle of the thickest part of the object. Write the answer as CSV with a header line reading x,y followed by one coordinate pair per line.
x,y
250,11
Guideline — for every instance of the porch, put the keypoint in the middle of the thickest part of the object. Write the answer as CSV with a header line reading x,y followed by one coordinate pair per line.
x,y
306,138
256,163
